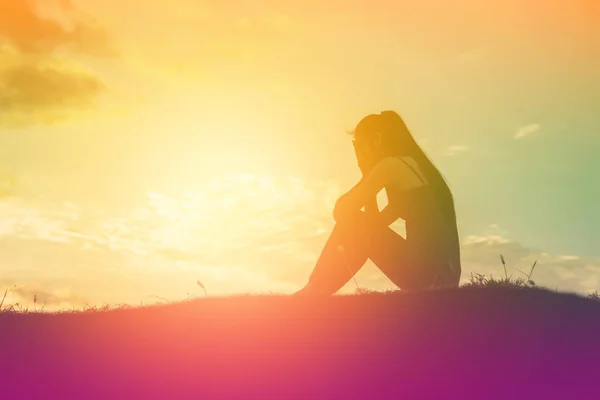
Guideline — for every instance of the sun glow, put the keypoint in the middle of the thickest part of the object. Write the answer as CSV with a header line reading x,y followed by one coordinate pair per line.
x,y
236,233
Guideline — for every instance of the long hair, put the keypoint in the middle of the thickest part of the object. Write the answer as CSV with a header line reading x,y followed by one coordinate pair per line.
x,y
397,141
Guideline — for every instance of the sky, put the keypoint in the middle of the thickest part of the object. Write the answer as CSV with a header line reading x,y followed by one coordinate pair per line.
x,y
145,146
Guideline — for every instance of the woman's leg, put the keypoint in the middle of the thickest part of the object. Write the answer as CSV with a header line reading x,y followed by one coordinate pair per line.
x,y
360,240
408,267
335,268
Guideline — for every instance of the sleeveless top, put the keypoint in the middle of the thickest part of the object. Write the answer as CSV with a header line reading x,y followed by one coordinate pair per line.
x,y
425,225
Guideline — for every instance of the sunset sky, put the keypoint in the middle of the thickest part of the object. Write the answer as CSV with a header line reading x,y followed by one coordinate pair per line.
x,y
145,145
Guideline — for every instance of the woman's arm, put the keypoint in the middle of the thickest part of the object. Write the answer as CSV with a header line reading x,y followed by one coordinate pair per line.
x,y
363,194
371,207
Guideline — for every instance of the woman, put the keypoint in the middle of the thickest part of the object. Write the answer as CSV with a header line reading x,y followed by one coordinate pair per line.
x,y
390,159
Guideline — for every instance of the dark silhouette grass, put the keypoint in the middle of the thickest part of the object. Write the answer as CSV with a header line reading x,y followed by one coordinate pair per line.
x,y
492,338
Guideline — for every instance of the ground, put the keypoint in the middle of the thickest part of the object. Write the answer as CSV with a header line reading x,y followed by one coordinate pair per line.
x,y
471,342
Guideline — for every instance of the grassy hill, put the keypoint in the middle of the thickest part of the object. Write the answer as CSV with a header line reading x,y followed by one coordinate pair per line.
x,y
481,341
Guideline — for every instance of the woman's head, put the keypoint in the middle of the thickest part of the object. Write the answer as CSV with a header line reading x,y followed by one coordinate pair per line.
x,y
378,136
383,135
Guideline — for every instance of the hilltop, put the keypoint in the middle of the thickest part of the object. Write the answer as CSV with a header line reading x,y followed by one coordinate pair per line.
x,y
470,342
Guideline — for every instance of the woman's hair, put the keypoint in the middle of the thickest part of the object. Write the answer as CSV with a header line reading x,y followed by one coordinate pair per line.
x,y
396,141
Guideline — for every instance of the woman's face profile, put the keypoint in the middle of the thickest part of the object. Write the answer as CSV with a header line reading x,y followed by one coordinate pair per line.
x,y
371,150
361,148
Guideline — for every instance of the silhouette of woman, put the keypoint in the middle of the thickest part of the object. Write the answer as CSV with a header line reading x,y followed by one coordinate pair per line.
x,y
390,159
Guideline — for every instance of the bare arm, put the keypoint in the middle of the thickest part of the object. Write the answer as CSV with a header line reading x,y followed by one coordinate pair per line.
x,y
371,207
364,194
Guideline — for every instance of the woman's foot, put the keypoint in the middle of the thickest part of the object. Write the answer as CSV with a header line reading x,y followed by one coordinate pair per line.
x,y
305,291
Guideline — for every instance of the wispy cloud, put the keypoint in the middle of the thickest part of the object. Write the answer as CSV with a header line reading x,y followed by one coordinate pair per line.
x,y
239,226
527,130
51,300
567,273
456,150
240,234
31,28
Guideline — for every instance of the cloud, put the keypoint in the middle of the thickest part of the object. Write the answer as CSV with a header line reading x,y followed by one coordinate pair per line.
x,y
456,149
49,299
24,26
240,234
44,93
39,82
481,254
527,130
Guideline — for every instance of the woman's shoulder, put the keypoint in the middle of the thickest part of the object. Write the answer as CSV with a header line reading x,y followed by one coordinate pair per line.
x,y
396,162
404,168
407,160
389,168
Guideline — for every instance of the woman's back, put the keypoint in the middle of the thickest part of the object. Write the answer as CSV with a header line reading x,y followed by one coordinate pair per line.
x,y
427,209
